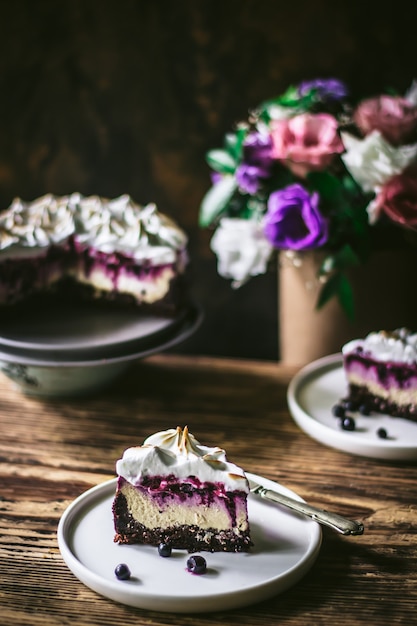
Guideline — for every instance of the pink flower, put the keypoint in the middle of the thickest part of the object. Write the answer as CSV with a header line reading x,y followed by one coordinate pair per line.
x,y
398,198
394,117
307,142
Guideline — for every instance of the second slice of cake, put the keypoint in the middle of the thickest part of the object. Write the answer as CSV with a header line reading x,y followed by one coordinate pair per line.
x,y
381,371
176,491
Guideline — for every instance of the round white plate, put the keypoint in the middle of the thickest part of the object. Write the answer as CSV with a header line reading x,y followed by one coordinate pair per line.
x,y
317,387
286,546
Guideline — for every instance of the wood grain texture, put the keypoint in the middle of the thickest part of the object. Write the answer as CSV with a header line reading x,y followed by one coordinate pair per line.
x,y
53,450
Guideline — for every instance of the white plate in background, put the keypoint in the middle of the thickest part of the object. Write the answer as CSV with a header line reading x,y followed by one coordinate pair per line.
x,y
317,387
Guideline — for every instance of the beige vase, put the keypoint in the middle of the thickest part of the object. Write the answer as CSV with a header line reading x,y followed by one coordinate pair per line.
x,y
385,292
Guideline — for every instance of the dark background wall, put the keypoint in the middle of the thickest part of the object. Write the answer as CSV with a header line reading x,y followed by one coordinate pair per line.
x,y
106,97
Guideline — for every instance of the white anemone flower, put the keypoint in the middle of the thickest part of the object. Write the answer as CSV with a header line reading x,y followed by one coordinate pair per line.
x,y
241,248
372,161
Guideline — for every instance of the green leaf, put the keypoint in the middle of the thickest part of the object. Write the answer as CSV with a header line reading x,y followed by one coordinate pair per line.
x,y
346,298
338,285
290,99
339,261
328,186
216,200
328,291
345,258
221,161
234,141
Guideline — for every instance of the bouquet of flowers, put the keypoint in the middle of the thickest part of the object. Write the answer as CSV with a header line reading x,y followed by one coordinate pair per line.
x,y
310,170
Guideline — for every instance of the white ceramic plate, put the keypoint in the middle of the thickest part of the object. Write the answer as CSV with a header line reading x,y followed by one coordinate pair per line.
x,y
286,546
317,388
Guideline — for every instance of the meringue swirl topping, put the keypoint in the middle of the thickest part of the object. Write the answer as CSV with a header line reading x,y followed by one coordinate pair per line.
x,y
399,346
177,452
108,225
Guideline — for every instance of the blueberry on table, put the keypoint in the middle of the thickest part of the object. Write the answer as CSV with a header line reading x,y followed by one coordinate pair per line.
x,y
196,564
164,549
122,571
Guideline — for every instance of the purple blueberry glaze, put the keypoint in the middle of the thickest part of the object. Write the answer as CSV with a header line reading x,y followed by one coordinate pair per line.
x,y
389,374
72,254
165,490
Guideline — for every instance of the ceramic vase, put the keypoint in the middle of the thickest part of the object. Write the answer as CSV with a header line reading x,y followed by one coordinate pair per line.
x,y
385,292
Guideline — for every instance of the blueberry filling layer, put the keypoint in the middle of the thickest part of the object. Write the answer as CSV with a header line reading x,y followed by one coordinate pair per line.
x,y
167,490
402,375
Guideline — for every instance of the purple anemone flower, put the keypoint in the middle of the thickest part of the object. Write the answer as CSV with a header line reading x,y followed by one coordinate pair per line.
x,y
257,162
293,220
257,151
248,178
327,88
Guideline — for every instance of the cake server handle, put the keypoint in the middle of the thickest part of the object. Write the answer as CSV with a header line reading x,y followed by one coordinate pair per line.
x,y
337,522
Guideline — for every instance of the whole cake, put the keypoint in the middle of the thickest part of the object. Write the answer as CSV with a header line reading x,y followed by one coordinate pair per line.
x,y
381,371
175,491
112,249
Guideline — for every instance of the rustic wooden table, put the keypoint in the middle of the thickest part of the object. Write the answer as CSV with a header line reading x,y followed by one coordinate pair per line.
x,y
53,450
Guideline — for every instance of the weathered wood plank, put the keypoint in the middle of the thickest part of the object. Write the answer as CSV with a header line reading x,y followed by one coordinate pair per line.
x,y
51,451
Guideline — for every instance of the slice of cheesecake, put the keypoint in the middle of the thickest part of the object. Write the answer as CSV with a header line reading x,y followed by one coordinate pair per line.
x,y
174,490
381,371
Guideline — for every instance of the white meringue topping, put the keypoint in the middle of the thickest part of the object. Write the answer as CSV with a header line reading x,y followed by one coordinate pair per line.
x,y
177,452
399,346
118,225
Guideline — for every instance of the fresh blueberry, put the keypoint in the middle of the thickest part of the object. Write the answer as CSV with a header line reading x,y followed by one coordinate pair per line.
x,y
364,409
196,564
338,410
164,549
347,423
382,433
122,571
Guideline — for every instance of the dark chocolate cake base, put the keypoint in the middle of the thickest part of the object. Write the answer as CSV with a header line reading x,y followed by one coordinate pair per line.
x,y
182,537
361,396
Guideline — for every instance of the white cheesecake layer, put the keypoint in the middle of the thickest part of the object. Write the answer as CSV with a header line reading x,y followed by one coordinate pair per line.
x,y
152,515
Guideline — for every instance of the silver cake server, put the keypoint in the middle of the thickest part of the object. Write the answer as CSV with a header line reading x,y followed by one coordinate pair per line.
x,y
337,522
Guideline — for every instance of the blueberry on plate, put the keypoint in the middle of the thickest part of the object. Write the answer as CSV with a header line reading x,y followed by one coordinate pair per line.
x,y
164,549
196,564
122,571
338,410
348,423
382,433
